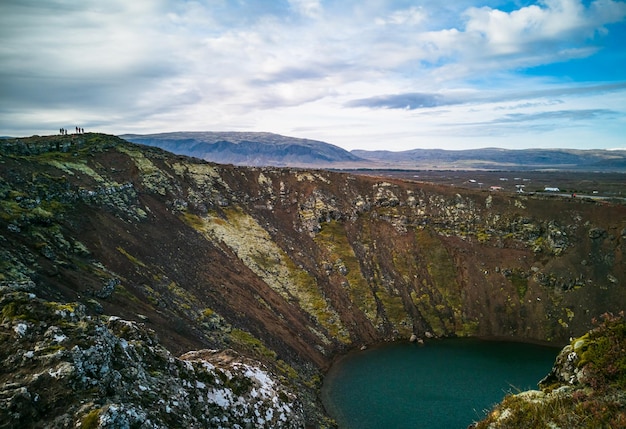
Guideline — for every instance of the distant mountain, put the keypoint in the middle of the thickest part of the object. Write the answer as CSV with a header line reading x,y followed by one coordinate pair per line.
x,y
248,148
268,149
495,159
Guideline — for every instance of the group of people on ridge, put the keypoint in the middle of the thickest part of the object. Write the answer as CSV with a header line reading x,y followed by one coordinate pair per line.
x,y
79,130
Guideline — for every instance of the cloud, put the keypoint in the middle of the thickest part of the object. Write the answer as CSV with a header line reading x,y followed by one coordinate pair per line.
x,y
576,124
411,101
406,101
411,16
308,8
295,64
511,33
492,39
62,54
571,115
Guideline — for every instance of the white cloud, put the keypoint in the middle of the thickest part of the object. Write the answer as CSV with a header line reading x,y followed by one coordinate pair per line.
x,y
554,27
411,16
309,8
285,66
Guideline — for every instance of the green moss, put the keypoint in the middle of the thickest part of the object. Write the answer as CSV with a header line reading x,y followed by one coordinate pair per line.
x,y
442,283
130,257
482,236
12,310
192,220
122,292
468,328
81,167
184,298
152,295
441,267
314,382
252,344
91,420
13,194
520,283
395,312
11,211
61,308
51,349
287,370
153,178
603,354
20,310
332,237
427,311
316,303
255,247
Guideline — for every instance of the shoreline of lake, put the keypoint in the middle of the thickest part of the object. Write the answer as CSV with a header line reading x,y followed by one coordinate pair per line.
x,y
462,359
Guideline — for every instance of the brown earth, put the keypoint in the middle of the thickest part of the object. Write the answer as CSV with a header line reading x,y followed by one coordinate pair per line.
x,y
298,266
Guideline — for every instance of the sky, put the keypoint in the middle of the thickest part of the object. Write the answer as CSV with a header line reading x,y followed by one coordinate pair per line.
x,y
360,74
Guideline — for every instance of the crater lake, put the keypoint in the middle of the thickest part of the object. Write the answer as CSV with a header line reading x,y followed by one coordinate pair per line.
x,y
447,383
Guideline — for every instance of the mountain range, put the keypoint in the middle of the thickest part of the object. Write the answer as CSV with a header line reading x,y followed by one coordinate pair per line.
x,y
267,149
502,159
252,149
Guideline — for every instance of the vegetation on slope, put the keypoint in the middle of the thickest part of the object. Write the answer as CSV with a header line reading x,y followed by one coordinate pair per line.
x,y
586,388
292,267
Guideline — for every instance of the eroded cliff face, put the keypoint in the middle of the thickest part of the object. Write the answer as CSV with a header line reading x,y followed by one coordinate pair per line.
x,y
292,266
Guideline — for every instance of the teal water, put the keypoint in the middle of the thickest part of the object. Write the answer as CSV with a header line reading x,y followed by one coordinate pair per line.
x,y
443,384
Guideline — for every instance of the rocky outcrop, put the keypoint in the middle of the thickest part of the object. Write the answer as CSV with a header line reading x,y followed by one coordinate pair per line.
x,y
585,389
63,368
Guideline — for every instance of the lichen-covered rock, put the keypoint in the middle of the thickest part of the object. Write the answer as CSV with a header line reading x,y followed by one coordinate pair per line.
x,y
63,368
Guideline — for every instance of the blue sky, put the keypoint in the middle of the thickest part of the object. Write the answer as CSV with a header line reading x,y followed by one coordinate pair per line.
x,y
361,74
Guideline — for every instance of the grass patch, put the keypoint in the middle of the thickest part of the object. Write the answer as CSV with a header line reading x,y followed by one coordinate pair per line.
x,y
17,310
603,354
130,257
194,221
333,238
122,292
520,283
252,344
91,420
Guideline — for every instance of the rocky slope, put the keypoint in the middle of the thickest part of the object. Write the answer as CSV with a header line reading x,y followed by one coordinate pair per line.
x,y
586,388
291,267
63,368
